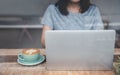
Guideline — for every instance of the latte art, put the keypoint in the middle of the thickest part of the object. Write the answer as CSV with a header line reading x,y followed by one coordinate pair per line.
x,y
31,51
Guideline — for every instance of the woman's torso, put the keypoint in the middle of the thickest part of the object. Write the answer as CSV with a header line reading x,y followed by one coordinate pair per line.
x,y
73,21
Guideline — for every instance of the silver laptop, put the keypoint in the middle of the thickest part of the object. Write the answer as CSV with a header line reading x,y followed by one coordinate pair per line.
x,y
80,49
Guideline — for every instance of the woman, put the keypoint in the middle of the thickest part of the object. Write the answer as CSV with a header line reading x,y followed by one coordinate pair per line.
x,y
71,15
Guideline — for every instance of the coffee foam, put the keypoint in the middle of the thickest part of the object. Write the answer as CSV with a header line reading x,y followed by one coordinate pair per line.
x,y
30,51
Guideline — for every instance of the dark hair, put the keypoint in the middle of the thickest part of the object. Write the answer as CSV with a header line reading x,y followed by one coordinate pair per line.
x,y
62,6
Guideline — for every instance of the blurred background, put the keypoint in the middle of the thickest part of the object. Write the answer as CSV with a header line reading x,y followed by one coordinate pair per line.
x,y
20,21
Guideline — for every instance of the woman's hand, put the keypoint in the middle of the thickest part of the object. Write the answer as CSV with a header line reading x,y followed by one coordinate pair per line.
x,y
45,28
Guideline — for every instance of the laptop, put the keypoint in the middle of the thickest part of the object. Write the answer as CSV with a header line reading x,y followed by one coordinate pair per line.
x,y
80,49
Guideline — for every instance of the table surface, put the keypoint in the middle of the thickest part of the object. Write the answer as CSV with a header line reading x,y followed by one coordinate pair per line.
x,y
9,66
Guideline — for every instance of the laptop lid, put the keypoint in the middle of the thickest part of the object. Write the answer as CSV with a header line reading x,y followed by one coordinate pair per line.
x,y
80,50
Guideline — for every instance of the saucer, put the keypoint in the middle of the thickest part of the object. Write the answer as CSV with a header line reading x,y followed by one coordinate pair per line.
x,y
40,60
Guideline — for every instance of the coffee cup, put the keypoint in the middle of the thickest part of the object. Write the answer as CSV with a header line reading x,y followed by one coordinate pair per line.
x,y
29,55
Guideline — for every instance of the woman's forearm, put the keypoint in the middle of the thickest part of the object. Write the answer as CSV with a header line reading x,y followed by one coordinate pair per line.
x,y
43,43
45,28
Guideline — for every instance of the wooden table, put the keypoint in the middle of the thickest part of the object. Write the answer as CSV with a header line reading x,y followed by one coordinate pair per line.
x,y
9,66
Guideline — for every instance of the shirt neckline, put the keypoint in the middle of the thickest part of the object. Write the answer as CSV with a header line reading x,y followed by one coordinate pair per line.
x,y
80,12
